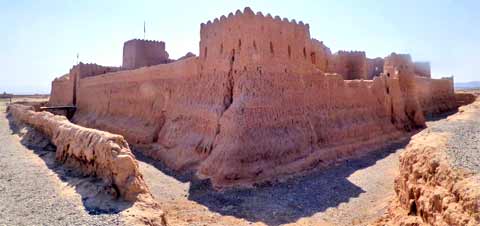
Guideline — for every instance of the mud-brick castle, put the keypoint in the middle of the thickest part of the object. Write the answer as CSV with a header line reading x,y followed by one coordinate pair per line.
x,y
262,100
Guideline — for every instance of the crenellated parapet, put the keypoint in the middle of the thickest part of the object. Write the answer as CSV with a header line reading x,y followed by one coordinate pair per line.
x,y
251,40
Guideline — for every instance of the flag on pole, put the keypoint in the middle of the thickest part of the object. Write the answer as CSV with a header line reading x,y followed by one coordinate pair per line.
x,y
144,30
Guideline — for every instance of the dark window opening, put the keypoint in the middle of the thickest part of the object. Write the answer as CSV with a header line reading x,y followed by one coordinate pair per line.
x,y
255,45
205,52
239,44
304,53
271,48
289,51
221,48
313,58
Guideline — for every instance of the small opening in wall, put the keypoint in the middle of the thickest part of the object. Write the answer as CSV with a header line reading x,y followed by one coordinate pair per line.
x,y
388,74
289,51
254,45
388,90
232,59
304,53
239,44
271,48
221,48
205,52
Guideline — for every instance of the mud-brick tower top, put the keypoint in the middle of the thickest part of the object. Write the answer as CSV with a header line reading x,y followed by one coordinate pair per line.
x,y
141,53
396,63
248,41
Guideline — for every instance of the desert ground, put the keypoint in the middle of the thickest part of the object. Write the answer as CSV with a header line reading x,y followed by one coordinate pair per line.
x,y
35,190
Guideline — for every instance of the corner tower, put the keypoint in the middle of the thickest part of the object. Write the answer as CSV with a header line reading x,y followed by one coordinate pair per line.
x,y
141,53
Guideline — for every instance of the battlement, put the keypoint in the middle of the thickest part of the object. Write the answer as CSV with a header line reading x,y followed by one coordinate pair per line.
x,y
145,41
247,12
351,52
254,39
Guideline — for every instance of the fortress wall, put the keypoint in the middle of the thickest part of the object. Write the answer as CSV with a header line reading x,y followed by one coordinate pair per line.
x,y
253,40
350,64
435,95
281,124
89,70
141,53
131,103
62,91
422,69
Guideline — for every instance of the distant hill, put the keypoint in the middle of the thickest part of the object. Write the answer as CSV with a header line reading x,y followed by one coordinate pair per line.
x,y
467,85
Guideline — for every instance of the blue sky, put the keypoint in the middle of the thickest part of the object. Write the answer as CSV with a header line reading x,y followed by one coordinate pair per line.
x,y
40,39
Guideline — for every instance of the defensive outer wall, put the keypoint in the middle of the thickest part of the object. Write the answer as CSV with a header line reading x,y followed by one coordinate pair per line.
x,y
263,100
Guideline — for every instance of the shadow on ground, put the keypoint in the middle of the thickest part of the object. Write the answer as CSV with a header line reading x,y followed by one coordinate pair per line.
x,y
284,202
96,197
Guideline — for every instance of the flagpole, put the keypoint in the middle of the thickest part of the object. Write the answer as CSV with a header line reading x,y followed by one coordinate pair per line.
x,y
144,31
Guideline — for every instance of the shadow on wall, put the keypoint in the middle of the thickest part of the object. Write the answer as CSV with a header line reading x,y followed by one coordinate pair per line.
x,y
281,203
97,198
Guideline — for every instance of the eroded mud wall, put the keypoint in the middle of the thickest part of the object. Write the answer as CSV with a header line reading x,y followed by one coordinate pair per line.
x,y
92,152
62,91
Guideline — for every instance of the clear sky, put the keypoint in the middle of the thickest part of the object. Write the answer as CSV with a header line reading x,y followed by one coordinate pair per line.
x,y
40,39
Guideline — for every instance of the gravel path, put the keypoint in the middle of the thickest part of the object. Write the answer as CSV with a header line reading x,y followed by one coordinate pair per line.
x,y
463,145
33,194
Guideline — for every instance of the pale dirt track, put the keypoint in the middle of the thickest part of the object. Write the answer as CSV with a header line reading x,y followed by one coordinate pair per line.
x,y
354,193
35,191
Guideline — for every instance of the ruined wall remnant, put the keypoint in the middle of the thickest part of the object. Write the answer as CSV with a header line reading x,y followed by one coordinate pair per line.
x,y
91,151
350,64
375,67
434,187
262,100
422,69
141,53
